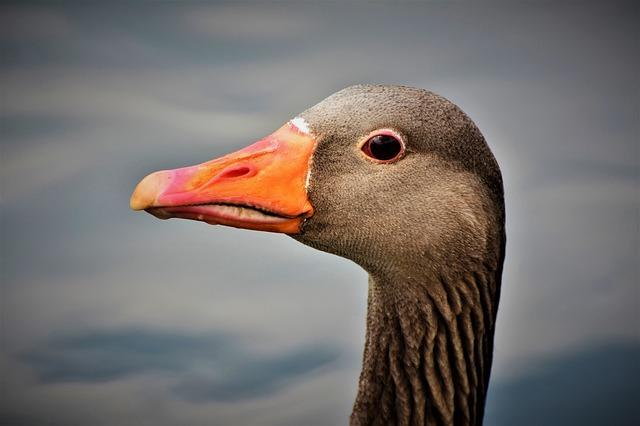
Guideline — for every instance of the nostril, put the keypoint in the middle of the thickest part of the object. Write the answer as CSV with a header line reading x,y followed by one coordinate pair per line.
x,y
234,172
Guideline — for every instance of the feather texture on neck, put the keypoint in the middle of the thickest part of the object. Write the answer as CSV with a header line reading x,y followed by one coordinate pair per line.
x,y
428,351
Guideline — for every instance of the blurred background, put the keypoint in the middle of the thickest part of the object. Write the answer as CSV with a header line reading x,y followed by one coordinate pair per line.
x,y
110,317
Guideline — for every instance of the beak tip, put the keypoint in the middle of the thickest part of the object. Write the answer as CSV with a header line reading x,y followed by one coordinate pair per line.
x,y
136,203
146,192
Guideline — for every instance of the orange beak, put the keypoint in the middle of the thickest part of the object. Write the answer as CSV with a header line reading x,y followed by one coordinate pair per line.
x,y
261,187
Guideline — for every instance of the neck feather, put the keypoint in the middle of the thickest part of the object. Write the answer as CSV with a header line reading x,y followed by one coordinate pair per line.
x,y
428,350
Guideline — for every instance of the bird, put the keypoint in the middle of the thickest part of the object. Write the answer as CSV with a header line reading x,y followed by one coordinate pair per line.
x,y
402,182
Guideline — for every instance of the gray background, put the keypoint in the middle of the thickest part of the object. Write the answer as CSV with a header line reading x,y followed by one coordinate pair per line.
x,y
113,317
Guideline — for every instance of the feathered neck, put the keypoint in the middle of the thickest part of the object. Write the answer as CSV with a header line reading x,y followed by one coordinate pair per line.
x,y
428,350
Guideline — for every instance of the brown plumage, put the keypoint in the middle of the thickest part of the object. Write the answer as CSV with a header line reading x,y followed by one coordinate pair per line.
x,y
428,227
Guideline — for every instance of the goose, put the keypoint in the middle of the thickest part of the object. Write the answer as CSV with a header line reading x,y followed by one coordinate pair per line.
x,y
400,181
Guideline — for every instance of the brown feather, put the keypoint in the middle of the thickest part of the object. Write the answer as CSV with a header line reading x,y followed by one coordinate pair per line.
x,y
429,229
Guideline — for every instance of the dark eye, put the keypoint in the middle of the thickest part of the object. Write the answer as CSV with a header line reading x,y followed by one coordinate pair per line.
x,y
382,147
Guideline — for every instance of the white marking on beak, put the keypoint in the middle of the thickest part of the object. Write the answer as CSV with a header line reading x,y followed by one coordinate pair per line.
x,y
301,124
308,179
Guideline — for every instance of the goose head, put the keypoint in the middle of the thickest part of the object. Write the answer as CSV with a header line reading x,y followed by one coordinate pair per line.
x,y
386,176
400,181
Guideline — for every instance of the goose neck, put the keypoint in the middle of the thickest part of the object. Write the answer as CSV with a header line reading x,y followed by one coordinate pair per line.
x,y
428,351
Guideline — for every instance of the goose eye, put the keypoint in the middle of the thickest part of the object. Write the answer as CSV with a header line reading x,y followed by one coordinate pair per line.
x,y
383,147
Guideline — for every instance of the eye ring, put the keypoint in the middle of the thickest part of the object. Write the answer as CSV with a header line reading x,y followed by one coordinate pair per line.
x,y
382,146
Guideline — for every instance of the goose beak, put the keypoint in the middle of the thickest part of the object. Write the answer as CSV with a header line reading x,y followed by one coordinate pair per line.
x,y
261,187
